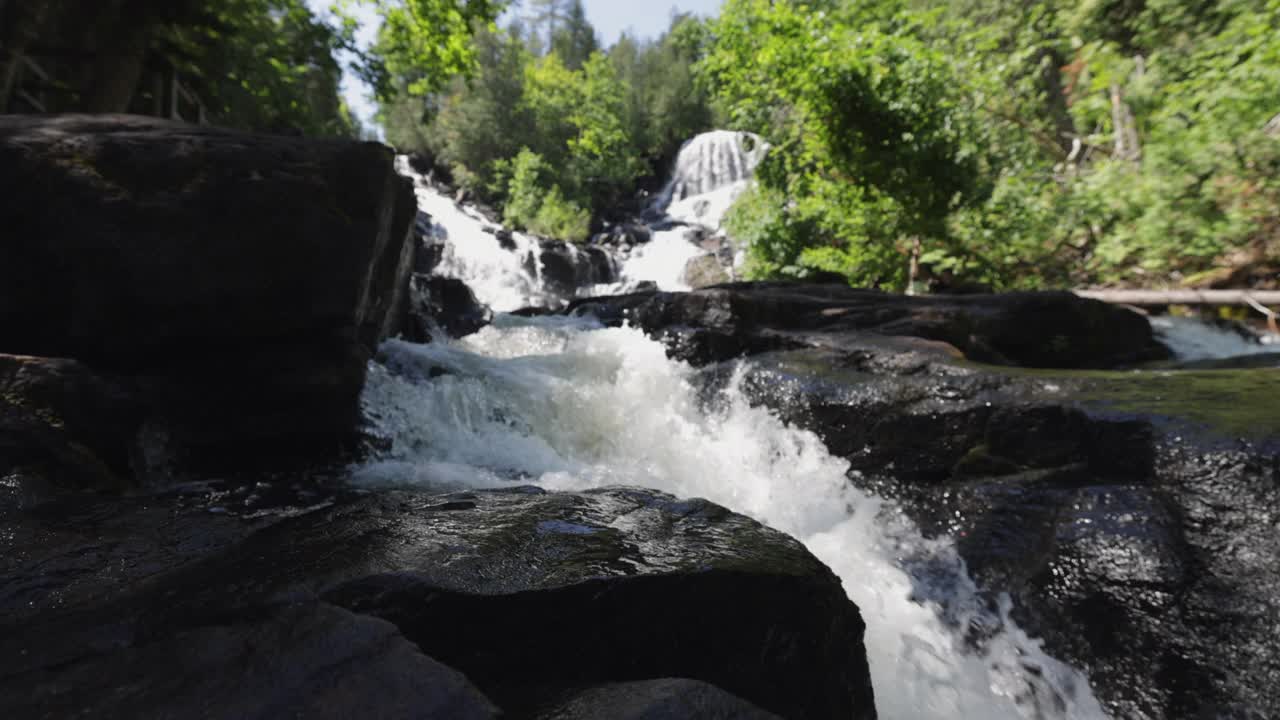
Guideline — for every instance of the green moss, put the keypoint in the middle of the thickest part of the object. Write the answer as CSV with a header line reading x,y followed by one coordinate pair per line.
x,y
980,462
1236,403
81,165
1240,403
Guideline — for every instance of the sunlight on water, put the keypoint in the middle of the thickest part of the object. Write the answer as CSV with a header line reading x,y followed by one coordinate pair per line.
x,y
1192,339
711,170
660,261
569,405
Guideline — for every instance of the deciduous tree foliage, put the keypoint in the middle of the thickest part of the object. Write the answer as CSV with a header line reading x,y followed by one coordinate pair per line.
x,y
266,65
1010,142
424,43
587,126
871,145
256,64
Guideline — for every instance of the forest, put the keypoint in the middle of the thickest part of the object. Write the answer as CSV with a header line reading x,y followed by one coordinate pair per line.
x,y
996,143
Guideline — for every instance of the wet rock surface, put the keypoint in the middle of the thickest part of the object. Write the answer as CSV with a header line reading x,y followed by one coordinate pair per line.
x,y
705,271
62,424
443,304
208,270
1047,329
666,699
533,596
625,235
1130,517
565,267
306,660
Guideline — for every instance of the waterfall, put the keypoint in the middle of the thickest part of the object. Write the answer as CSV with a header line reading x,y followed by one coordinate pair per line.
x,y
711,170
568,404
509,270
712,161
504,278
660,261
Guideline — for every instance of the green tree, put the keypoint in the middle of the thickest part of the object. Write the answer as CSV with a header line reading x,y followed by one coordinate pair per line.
x,y
871,153
257,64
422,44
666,105
266,64
1014,142
574,40
477,125
536,203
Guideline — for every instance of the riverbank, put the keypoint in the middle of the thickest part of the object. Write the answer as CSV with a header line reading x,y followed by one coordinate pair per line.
x,y
747,500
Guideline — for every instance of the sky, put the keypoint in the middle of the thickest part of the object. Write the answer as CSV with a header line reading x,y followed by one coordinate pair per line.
x,y
647,18
643,18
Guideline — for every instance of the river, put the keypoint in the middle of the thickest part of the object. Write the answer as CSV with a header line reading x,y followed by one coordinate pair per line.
x,y
566,403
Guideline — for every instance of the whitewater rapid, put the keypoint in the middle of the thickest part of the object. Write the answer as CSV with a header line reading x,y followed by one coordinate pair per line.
x,y
711,171
1194,339
567,404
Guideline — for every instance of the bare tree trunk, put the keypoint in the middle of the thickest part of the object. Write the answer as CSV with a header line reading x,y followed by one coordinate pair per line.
x,y
1124,127
913,268
1184,297
19,25
1051,64
118,71
1272,128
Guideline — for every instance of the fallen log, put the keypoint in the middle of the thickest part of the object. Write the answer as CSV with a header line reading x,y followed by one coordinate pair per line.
x,y
1150,298
1256,299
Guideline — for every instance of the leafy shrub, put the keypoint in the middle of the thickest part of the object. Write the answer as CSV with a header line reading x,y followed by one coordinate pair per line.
x,y
535,204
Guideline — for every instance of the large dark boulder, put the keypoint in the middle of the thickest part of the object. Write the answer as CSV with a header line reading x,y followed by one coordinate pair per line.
x,y
238,282
1046,329
705,271
534,596
1130,517
308,660
443,304
565,267
62,423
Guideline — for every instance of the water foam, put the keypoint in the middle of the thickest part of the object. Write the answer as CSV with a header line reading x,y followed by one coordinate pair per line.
x,y
1193,339
569,405
711,170
661,261
504,279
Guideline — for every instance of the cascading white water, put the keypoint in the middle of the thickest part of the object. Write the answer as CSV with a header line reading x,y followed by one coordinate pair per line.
x,y
504,279
567,404
661,261
712,161
711,171
1192,339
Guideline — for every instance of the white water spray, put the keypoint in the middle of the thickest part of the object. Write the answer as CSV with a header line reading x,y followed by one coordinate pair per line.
x,y
504,279
661,261
569,405
1192,339
711,170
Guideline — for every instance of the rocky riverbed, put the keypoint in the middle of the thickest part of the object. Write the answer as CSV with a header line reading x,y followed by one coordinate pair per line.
x,y
244,472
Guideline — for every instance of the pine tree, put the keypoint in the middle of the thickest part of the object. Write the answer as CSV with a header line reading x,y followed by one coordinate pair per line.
x,y
544,18
575,39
